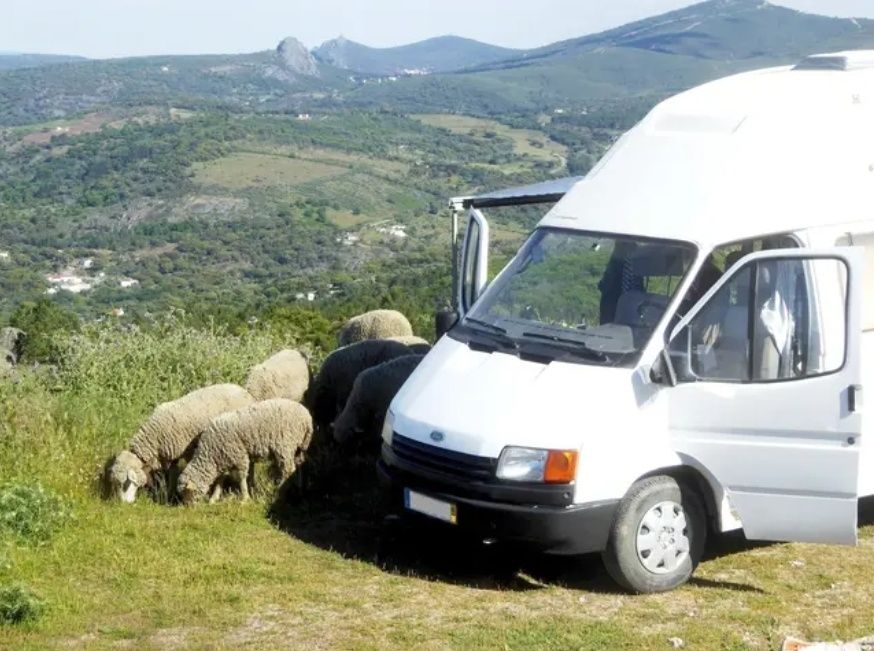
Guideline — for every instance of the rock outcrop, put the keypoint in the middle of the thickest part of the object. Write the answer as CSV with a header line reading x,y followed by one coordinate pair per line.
x,y
297,58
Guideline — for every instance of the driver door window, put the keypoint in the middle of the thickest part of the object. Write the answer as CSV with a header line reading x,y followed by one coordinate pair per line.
x,y
775,319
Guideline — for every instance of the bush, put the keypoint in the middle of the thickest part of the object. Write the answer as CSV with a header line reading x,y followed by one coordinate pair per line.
x,y
19,604
145,365
31,513
42,321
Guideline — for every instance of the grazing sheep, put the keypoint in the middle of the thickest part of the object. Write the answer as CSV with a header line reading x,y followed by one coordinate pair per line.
x,y
285,375
378,324
331,387
371,395
418,345
168,435
279,429
11,344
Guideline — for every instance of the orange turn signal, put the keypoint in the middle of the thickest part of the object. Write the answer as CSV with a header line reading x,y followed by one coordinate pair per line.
x,y
561,467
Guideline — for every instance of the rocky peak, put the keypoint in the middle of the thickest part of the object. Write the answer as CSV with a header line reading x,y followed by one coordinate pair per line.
x,y
296,58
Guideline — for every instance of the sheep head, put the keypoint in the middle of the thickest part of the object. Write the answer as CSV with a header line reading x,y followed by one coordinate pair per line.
x,y
127,475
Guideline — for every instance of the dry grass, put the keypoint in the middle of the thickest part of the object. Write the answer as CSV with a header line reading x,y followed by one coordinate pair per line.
x,y
240,171
526,142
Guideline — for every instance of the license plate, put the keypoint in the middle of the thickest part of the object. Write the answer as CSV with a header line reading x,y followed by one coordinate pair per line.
x,y
429,506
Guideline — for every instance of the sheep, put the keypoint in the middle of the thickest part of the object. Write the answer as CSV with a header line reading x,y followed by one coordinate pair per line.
x,y
331,387
285,375
378,324
371,395
277,428
168,435
418,345
11,344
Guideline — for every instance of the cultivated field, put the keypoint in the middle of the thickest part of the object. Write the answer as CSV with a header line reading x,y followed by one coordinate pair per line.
x,y
324,571
526,142
243,170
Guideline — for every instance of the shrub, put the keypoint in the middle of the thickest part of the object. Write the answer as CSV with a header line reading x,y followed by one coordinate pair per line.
x,y
19,604
42,321
144,365
30,512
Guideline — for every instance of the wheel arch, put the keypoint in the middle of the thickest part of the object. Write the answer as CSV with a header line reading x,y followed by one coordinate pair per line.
x,y
687,474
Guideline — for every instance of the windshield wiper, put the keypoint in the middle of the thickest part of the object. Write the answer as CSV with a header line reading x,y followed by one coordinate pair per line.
x,y
486,324
579,346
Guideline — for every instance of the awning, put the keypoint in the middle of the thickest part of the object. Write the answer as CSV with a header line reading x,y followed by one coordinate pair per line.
x,y
545,192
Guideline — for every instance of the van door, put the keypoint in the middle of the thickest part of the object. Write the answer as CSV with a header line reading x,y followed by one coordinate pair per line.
x,y
474,266
768,394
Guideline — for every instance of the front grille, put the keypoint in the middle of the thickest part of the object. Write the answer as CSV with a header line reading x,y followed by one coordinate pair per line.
x,y
456,464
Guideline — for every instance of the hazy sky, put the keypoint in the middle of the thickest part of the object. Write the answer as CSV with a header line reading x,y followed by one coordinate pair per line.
x,y
111,28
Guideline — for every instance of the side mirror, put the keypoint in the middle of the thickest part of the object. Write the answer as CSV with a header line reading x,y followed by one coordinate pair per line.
x,y
662,371
444,321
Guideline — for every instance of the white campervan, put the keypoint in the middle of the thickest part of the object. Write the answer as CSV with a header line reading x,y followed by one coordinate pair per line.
x,y
681,343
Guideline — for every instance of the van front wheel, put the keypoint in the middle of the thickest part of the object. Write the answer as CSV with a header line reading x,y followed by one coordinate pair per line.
x,y
657,537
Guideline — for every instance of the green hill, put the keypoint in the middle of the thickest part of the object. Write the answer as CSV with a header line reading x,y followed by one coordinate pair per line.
x,y
13,60
441,54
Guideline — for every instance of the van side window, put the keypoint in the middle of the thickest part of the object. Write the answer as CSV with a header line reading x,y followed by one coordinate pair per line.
x,y
773,320
866,241
723,258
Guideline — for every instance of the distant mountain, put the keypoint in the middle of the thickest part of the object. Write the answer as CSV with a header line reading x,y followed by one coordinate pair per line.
x,y
435,55
659,55
655,56
12,60
720,30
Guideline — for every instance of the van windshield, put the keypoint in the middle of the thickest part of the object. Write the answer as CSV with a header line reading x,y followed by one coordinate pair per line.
x,y
594,295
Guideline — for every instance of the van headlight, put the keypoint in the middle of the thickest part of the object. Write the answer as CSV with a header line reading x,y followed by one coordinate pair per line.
x,y
388,427
535,465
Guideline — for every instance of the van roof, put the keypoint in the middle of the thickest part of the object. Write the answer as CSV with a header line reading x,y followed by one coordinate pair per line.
x,y
770,151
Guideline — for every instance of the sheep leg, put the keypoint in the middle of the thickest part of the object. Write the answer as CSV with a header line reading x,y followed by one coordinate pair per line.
x,y
244,479
216,492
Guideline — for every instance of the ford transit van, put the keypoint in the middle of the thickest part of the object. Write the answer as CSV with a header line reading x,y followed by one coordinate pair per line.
x,y
680,346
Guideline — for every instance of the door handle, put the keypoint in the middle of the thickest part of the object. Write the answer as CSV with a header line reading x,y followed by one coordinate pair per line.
x,y
854,398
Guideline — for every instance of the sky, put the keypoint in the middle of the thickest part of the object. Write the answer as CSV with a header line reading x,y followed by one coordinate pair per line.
x,y
114,28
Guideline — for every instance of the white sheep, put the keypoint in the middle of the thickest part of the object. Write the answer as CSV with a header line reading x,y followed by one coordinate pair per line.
x,y
418,345
284,375
278,429
377,324
371,395
333,383
168,435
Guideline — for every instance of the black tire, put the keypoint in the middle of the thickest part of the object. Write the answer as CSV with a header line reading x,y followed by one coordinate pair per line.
x,y
621,556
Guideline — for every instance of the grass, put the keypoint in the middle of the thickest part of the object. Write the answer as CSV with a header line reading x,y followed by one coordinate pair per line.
x,y
322,571
245,170
526,142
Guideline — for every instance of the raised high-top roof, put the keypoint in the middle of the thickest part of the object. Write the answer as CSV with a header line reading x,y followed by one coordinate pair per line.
x,y
770,151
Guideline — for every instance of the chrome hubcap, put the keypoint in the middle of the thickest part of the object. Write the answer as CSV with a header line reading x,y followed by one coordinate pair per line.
x,y
662,538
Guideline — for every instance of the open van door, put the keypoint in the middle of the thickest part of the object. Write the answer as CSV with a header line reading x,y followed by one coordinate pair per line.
x,y
768,392
474,267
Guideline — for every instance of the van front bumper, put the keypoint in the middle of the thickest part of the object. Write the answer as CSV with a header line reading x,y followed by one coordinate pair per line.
x,y
571,529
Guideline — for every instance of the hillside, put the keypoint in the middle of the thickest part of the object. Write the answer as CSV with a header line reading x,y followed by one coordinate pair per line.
x,y
13,60
725,30
658,55
441,54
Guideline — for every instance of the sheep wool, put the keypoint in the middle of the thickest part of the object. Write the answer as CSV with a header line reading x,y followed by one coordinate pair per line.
x,y
278,429
169,433
371,396
377,324
285,375
332,385
418,345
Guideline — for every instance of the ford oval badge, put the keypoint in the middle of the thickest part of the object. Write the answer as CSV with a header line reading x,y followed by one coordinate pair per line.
x,y
437,436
